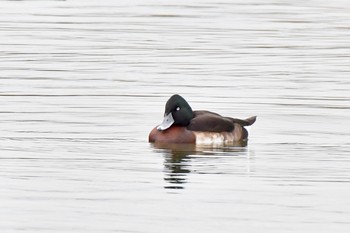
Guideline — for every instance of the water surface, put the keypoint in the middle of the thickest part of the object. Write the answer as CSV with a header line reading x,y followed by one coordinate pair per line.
x,y
83,83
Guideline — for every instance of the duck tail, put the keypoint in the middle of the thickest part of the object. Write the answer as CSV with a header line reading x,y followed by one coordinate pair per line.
x,y
247,122
250,120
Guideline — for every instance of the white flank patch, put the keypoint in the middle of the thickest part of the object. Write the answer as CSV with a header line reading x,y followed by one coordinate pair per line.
x,y
211,138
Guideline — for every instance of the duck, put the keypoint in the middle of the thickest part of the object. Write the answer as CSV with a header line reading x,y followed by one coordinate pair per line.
x,y
183,125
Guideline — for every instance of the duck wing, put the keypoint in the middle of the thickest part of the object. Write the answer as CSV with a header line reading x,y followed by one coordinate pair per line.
x,y
210,122
213,122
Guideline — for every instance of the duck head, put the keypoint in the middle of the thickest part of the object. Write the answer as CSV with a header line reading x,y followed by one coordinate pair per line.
x,y
177,112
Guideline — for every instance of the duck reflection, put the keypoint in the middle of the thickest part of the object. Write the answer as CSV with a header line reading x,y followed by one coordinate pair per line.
x,y
176,163
177,159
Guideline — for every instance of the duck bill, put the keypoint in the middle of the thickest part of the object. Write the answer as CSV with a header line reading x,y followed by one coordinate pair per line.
x,y
167,122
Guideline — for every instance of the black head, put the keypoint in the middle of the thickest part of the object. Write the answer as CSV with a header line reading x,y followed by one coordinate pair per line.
x,y
180,109
177,112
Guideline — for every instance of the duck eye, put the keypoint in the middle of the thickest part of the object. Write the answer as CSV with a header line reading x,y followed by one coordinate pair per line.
x,y
178,108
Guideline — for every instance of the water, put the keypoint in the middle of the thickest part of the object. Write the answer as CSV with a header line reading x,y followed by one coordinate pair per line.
x,y
82,84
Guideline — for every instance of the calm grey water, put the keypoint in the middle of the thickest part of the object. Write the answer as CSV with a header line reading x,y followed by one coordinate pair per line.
x,y
83,82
